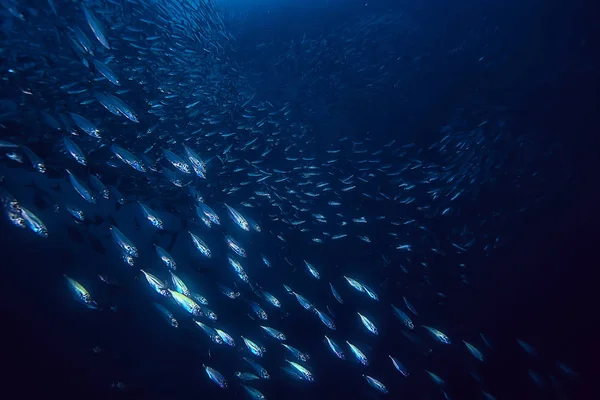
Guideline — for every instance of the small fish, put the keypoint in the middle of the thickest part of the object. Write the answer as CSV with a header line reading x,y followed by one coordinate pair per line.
x,y
167,315
274,333
81,293
304,372
440,336
399,366
254,393
368,324
337,350
34,223
360,356
376,384
215,376
474,351
255,349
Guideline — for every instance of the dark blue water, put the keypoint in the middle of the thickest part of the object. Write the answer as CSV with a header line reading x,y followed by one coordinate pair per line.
x,y
539,69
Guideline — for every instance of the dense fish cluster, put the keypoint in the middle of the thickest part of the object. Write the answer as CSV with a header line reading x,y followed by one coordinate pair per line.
x,y
145,111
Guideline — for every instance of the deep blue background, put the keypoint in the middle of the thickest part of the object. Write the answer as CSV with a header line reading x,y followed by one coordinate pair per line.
x,y
540,286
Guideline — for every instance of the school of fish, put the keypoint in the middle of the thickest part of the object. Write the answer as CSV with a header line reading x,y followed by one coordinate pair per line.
x,y
149,112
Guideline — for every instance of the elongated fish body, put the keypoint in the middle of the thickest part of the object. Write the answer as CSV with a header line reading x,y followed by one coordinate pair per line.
x,y
75,211
200,245
199,298
156,284
177,161
258,368
212,334
474,351
215,376
254,393
440,336
266,261
325,319
370,292
410,307
180,285
272,299
81,293
297,353
117,195
304,302
165,258
238,218
335,348
260,313
376,384
167,315
12,208
74,151
255,349
232,294
197,163
7,145
246,376
239,270
121,240
99,186
399,366
96,27
36,162
304,372
128,158
274,333
186,303
368,324
436,379
81,188
336,294
107,103
151,216
34,223
235,246
208,312
355,284
83,40
209,212
108,73
254,225
123,108
172,177
360,356
86,126
312,270
403,317
527,347
227,338
292,373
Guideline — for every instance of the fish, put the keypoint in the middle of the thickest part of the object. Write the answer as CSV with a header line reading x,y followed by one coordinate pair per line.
x,y
34,223
374,383
303,371
215,376
170,318
440,336
266,150
360,356
368,324
81,293
238,218
337,350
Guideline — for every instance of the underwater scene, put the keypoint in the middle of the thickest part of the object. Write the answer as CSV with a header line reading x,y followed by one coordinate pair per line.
x,y
287,199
